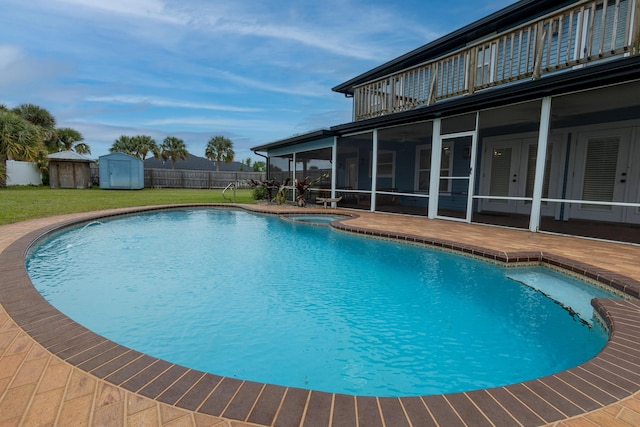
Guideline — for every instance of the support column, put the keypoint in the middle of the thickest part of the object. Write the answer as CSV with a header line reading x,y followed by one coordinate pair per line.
x,y
334,167
635,25
541,158
434,179
472,169
374,170
293,179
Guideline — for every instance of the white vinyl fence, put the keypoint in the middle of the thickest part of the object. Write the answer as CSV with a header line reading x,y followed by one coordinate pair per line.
x,y
23,173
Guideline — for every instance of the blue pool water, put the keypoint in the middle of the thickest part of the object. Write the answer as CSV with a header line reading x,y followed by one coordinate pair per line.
x,y
262,299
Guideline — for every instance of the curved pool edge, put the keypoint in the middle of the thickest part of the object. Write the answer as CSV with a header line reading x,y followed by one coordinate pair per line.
x,y
601,381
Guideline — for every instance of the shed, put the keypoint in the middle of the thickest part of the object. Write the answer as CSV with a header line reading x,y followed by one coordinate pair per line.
x,y
119,171
68,169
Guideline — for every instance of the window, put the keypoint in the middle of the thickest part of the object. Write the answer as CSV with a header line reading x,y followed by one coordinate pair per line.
x,y
386,163
600,171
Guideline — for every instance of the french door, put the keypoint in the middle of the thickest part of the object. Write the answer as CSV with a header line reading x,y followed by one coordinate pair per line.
x,y
508,173
603,173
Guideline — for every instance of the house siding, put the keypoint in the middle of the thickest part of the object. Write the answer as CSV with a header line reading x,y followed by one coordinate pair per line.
x,y
577,111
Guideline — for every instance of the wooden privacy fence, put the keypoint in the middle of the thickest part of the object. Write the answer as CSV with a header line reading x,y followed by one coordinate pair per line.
x,y
171,178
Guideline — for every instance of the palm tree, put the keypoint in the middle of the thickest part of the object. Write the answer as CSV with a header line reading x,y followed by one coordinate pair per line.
x,y
19,140
36,115
137,146
67,138
219,149
122,145
142,145
173,148
40,117
82,148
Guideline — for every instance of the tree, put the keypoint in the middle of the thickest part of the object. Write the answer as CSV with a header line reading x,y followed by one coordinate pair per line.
x,y
142,145
122,145
19,140
246,162
68,139
173,148
137,146
219,149
259,166
82,148
36,115
40,117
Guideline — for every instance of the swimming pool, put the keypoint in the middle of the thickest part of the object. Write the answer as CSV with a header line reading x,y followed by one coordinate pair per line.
x,y
356,298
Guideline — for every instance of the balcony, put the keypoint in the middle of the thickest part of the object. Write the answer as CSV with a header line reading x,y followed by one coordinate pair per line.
x,y
583,33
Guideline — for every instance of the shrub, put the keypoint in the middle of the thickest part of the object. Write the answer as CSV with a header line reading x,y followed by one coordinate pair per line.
x,y
260,193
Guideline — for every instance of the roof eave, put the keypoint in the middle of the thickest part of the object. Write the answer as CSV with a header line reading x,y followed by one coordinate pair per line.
x,y
497,21
608,73
297,139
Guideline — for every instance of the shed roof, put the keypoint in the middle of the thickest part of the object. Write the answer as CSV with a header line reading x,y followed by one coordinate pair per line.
x,y
69,156
120,155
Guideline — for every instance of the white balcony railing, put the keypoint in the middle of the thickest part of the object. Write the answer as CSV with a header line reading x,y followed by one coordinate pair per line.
x,y
571,37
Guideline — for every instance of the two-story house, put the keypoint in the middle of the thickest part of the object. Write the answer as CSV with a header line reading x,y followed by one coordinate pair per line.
x,y
529,117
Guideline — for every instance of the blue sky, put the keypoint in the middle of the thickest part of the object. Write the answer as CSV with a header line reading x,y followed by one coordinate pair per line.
x,y
254,71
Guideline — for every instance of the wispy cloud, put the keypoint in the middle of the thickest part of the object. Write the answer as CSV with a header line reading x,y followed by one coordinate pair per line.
x,y
344,28
256,70
18,69
149,9
303,89
9,55
213,122
326,40
159,102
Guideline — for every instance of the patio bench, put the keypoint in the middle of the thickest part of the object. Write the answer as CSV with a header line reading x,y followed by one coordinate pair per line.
x,y
325,200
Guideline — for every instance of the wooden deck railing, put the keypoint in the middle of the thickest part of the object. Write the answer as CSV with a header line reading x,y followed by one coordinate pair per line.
x,y
585,32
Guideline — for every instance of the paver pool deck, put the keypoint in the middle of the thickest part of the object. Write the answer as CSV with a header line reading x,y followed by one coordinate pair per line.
x,y
55,372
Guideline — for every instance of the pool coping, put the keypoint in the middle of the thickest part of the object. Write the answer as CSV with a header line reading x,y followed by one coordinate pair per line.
x,y
606,379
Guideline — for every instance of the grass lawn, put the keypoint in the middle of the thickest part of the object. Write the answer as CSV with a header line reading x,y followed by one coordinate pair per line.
x,y
23,203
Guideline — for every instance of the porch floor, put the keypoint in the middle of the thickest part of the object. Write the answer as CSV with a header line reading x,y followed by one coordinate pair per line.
x,y
39,386
629,233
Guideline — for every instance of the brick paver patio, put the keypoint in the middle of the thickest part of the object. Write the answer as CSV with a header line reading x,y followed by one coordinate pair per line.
x,y
53,372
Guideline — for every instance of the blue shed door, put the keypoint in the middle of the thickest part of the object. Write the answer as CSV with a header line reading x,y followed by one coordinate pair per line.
x,y
120,174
